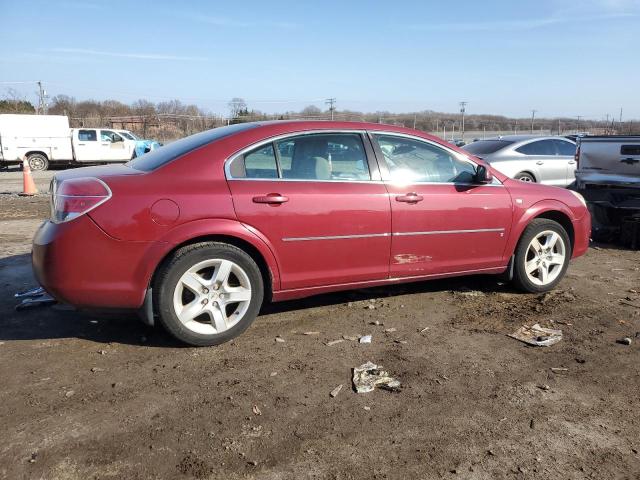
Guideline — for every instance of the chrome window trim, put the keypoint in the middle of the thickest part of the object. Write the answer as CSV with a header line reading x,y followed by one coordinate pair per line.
x,y
395,234
277,138
459,156
453,153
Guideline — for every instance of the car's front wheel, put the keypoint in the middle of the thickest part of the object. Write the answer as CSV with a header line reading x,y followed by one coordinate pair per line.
x,y
542,256
208,293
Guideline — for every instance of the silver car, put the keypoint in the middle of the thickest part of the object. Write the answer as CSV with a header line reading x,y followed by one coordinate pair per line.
x,y
548,160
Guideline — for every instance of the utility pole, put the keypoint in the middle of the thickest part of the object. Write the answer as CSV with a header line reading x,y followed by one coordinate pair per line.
x,y
42,99
579,120
331,102
515,129
533,116
462,110
415,115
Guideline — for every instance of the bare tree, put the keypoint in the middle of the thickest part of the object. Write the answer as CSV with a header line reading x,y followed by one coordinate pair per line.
x,y
237,107
310,111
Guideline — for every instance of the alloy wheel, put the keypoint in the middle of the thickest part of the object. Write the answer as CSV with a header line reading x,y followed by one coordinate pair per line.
x,y
545,257
212,296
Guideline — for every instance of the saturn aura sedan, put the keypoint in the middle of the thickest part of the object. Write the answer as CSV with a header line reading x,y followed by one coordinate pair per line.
x,y
529,158
197,234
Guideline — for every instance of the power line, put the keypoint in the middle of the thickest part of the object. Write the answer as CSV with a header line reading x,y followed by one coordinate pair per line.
x,y
533,116
42,99
331,102
462,110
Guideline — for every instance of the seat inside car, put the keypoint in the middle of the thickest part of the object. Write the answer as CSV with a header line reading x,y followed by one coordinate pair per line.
x,y
309,160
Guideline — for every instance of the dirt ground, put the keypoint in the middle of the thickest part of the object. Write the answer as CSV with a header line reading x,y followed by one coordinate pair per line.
x,y
87,396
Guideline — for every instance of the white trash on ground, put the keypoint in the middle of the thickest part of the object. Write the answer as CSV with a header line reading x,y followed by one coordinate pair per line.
x,y
537,335
368,376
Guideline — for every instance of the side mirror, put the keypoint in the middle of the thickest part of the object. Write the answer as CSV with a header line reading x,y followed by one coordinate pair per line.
x,y
483,175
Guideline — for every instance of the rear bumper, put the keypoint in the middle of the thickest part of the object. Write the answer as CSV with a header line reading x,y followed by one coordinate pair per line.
x,y
79,264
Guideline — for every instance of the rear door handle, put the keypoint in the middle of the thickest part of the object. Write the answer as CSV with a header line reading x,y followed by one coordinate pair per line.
x,y
411,197
572,162
539,162
271,198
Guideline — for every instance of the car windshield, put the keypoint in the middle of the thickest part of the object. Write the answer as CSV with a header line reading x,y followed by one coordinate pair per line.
x,y
484,147
127,135
157,158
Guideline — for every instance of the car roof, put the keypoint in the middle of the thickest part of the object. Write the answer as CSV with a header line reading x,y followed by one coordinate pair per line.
x,y
522,138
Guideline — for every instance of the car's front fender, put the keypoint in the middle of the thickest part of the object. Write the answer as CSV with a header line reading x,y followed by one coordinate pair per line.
x,y
524,216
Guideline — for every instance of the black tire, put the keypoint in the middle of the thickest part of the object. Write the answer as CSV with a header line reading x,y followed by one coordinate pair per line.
x,y
525,177
520,277
38,162
173,269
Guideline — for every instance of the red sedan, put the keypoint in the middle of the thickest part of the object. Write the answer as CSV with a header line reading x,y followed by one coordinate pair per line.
x,y
197,234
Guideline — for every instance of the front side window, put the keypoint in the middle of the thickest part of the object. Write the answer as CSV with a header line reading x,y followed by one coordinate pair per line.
x,y
87,136
540,147
411,160
321,156
109,136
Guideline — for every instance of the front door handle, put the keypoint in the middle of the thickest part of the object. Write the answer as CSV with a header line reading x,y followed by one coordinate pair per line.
x,y
271,198
411,197
539,162
629,161
572,162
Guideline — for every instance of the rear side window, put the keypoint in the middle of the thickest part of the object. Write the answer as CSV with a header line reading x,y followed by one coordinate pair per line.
x,y
485,147
163,155
261,163
322,156
540,147
87,136
565,148
630,150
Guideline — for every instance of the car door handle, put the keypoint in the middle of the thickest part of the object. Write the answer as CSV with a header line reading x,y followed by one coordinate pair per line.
x,y
629,161
572,162
81,144
539,162
272,198
411,197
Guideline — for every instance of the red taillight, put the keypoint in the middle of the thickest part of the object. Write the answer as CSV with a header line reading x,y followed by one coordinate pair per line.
x,y
74,197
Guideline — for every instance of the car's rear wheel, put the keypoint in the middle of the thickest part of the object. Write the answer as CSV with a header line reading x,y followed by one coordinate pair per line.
x,y
525,177
542,256
37,162
208,293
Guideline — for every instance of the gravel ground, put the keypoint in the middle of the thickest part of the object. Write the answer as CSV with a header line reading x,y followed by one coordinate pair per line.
x,y
95,396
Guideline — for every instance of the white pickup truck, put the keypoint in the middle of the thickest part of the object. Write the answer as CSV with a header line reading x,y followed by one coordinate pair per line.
x,y
47,139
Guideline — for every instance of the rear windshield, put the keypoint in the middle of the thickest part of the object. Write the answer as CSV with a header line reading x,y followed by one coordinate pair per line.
x,y
163,155
486,146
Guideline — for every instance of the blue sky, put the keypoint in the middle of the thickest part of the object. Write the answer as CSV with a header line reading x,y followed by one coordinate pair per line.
x,y
561,57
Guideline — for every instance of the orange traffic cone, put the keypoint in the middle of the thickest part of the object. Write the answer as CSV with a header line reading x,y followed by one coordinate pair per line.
x,y
28,185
